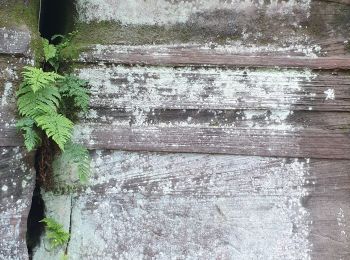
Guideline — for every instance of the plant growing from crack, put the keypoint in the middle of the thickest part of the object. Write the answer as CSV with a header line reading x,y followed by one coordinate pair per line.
x,y
45,101
48,102
55,233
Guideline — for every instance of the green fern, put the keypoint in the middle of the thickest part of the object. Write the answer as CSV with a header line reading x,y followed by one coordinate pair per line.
x,y
31,138
50,50
57,127
55,233
73,87
53,53
77,156
45,100
37,79
33,104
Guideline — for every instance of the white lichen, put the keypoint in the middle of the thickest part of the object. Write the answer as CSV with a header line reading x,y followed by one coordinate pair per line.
x,y
163,12
330,94
4,188
140,90
8,88
141,197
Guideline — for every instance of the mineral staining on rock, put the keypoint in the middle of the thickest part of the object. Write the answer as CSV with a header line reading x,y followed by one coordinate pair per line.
x,y
140,90
164,12
191,205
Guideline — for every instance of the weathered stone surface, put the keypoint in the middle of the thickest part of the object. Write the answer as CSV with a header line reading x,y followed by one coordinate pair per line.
x,y
268,56
296,24
16,189
209,206
10,74
58,208
17,174
14,41
291,113
187,206
173,12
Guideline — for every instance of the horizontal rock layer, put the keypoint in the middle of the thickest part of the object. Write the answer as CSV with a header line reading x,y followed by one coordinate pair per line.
x,y
165,206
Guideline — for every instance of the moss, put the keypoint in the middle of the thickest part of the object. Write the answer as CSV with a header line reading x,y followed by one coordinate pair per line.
x,y
95,33
72,51
16,14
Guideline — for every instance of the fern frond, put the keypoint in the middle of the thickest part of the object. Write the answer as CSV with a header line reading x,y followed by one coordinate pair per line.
x,y
37,79
77,156
56,126
50,50
30,104
31,138
73,87
55,233
25,122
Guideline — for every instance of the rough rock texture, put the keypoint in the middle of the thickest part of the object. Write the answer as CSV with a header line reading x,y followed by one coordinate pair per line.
x,y
17,175
16,189
231,92
240,111
293,24
193,206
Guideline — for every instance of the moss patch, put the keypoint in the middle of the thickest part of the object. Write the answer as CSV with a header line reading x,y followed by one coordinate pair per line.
x,y
15,14
107,32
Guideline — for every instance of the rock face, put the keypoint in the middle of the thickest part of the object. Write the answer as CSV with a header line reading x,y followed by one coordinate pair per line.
x,y
232,120
17,175
195,206
217,129
17,184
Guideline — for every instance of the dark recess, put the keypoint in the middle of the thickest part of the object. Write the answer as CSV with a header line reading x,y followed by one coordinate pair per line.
x,y
56,17
35,228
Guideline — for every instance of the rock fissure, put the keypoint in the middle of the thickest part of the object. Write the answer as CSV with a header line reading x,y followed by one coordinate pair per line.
x,y
54,18
70,225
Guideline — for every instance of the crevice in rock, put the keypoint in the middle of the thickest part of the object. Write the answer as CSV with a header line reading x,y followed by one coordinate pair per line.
x,y
35,228
56,17
70,224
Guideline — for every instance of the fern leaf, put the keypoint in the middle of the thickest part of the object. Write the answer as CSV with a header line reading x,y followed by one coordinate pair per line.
x,y
50,50
25,122
75,156
30,104
31,138
73,87
37,79
56,126
56,235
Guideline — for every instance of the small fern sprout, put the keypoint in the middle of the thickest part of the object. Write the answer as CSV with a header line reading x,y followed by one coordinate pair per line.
x,y
53,53
50,51
55,233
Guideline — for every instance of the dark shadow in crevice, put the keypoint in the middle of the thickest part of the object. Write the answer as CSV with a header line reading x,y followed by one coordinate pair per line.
x,y
35,228
56,17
